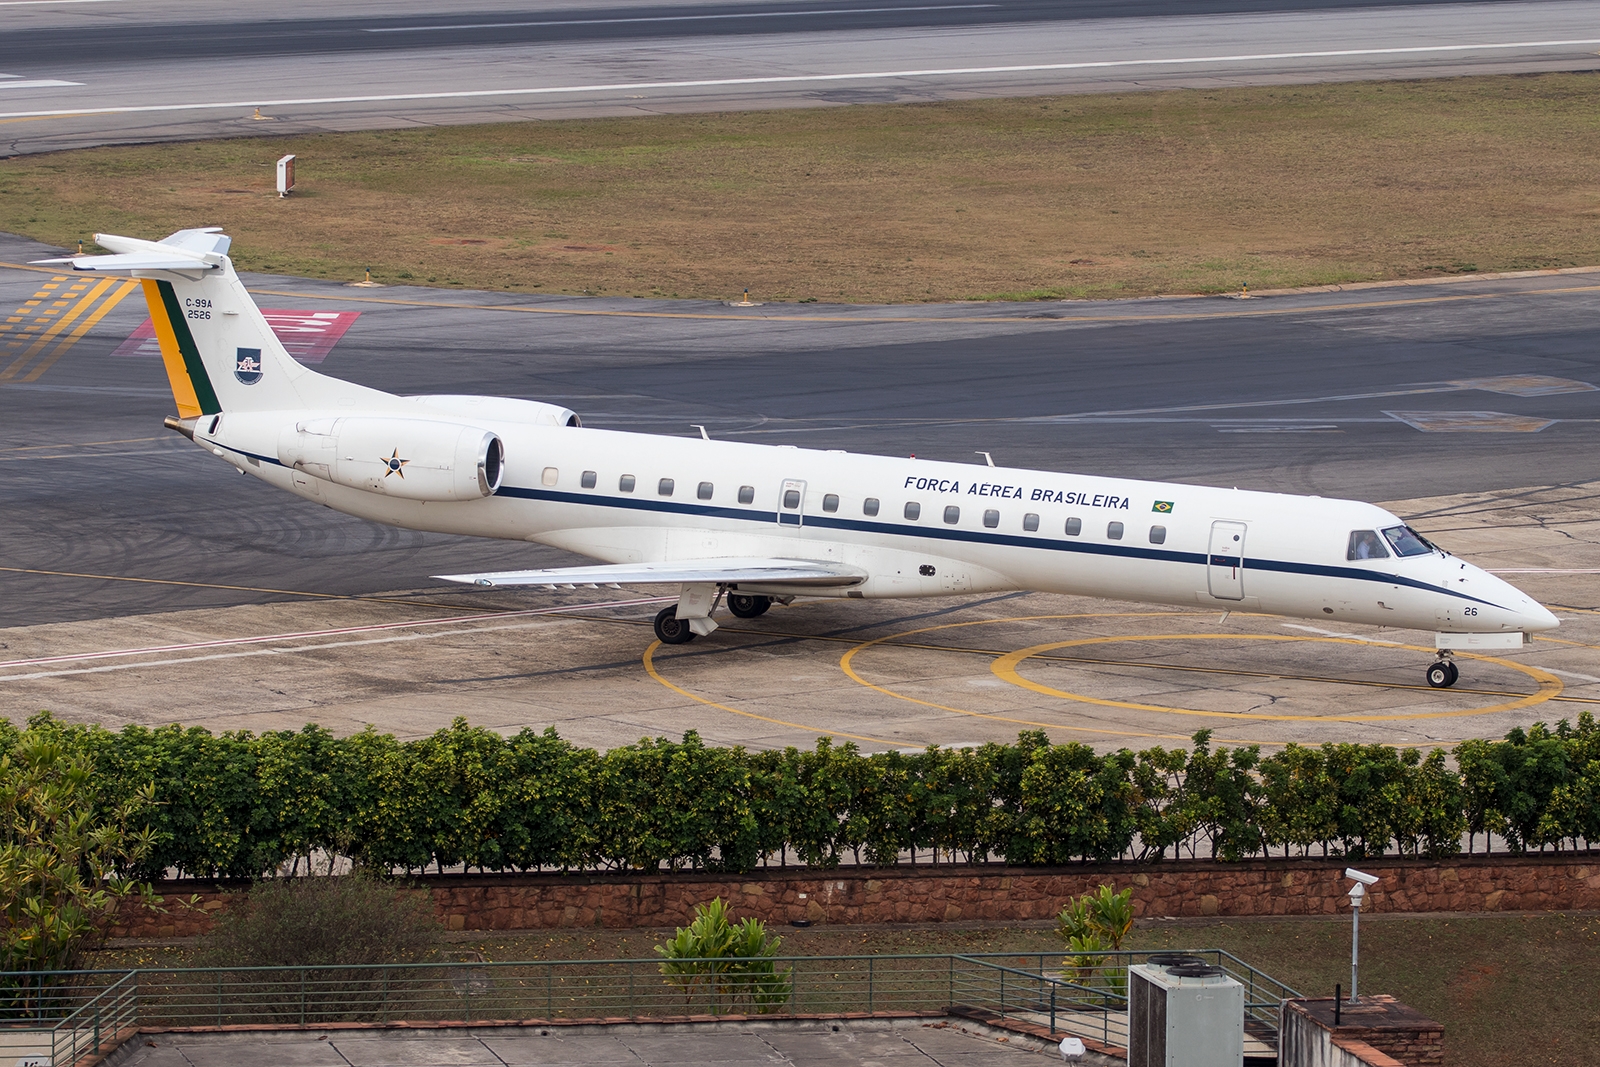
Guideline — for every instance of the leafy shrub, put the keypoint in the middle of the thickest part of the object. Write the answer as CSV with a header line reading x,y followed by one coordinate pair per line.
x,y
64,858
726,963
1090,925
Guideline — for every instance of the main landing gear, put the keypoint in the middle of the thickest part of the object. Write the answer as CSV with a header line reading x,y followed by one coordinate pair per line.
x,y
671,630
748,605
1443,675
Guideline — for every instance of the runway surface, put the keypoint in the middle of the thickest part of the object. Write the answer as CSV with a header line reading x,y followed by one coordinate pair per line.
x,y
104,71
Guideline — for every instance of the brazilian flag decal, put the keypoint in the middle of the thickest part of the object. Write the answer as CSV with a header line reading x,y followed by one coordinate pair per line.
x,y
1163,506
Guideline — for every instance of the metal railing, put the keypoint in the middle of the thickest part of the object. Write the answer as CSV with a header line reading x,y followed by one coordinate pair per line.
x,y
69,1013
1088,996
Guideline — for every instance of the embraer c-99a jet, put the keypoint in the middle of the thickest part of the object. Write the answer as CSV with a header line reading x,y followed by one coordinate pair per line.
x,y
747,524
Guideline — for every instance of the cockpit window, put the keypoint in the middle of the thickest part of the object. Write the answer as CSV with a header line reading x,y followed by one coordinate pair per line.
x,y
1407,542
1366,544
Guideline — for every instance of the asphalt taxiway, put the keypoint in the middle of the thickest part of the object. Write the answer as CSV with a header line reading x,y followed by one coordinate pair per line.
x,y
144,581
117,71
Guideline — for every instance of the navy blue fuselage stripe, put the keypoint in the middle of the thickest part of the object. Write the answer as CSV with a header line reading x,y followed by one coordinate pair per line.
x,y
936,533
274,460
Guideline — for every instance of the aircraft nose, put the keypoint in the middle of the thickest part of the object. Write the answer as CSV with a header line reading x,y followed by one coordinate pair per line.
x,y
1536,616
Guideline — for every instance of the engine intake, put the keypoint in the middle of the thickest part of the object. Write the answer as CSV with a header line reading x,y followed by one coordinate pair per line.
x,y
415,459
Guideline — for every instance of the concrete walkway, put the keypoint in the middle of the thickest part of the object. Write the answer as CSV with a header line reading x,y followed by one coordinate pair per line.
x,y
808,1044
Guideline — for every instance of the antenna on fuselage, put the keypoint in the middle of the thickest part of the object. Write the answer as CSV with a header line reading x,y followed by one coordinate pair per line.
x,y
703,435
986,456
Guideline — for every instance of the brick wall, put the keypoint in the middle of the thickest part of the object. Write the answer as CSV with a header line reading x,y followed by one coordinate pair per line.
x,y
1379,1031
929,894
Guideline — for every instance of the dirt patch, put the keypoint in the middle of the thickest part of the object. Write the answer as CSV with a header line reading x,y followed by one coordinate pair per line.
x,y
1080,196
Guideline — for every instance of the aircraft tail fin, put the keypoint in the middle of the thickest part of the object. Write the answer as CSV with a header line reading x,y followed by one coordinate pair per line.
x,y
219,352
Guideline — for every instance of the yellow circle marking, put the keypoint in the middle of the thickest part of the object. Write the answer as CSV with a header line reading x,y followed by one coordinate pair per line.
x,y
847,664
650,669
1006,666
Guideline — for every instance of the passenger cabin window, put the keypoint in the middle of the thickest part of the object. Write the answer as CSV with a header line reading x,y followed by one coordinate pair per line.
x,y
551,476
747,494
1366,544
1158,535
1074,527
1407,542
704,492
589,479
991,518
1114,531
869,506
791,498
913,510
625,483
830,502
952,514
1030,522
664,487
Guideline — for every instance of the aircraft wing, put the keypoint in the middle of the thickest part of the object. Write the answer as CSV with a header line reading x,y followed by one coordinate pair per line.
x,y
680,572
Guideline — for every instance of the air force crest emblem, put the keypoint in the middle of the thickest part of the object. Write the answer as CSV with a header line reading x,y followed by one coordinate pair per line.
x,y
247,366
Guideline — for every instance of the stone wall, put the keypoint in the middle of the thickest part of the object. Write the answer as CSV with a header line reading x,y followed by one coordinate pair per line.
x,y
954,893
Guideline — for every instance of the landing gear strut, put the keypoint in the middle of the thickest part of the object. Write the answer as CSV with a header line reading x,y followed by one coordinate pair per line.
x,y
1443,675
748,605
670,629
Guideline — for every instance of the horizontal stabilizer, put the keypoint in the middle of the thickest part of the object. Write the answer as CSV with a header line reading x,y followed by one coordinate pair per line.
x,y
680,572
132,261
187,251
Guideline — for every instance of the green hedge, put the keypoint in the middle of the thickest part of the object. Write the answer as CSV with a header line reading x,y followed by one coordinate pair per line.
x,y
238,805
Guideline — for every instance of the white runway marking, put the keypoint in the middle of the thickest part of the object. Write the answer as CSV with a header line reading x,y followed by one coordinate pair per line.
x,y
36,83
796,79
1339,633
677,18
337,632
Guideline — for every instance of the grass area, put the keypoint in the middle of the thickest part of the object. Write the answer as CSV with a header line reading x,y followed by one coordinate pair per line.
x,y
1515,989
1076,196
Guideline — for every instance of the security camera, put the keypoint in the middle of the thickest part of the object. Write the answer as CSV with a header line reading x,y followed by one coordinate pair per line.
x,y
1361,876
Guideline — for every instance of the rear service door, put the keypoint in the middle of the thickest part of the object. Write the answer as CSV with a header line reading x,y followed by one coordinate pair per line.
x,y
1225,564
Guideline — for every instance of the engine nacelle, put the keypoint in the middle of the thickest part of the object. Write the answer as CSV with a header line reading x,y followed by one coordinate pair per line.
x,y
410,458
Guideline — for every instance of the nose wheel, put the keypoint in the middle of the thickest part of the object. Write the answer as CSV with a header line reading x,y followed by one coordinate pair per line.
x,y
1443,675
670,629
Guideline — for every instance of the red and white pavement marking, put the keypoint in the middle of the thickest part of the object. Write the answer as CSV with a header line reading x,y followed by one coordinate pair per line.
x,y
307,335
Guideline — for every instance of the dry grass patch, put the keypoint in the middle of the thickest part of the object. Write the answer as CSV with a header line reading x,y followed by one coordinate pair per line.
x,y
1077,196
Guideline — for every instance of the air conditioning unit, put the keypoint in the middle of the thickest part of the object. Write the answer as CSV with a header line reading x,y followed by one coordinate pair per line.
x,y
1187,1014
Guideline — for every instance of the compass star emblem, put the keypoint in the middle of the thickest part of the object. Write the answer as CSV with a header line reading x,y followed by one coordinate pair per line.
x,y
393,464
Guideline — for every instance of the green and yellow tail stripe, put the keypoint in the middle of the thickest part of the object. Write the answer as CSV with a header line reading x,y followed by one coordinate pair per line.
x,y
191,386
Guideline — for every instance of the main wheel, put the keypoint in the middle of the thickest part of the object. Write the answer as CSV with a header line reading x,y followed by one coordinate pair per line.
x,y
670,629
1443,675
748,605
1455,672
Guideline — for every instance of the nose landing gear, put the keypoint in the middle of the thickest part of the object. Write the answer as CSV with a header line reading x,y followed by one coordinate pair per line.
x,y
1443,675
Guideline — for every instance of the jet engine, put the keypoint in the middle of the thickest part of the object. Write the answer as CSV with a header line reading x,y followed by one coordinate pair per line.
x,y
411,458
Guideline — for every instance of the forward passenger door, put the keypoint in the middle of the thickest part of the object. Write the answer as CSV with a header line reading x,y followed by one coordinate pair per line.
x,y
1225,562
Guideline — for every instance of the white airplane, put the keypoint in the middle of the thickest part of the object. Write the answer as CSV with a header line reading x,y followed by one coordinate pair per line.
x,y
749,524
